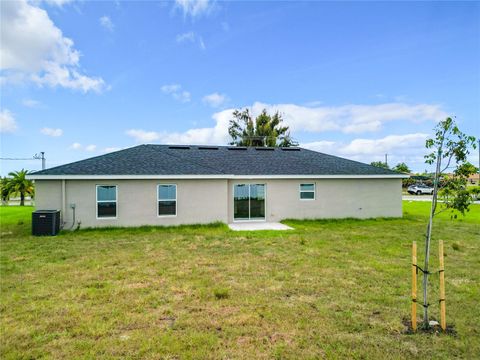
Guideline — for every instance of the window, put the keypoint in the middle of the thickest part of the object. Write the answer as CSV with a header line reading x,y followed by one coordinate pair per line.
x,y
167,200
106,201
307,191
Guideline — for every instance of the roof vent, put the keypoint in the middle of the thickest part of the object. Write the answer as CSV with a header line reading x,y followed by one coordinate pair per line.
x,y
265,148
208,147
179,147
237,148
290,149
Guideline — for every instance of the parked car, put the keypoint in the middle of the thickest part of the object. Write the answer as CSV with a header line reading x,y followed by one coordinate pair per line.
x,y
419,189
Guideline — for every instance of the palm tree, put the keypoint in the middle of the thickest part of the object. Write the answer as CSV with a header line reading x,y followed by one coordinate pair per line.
x,y
20,184
5,189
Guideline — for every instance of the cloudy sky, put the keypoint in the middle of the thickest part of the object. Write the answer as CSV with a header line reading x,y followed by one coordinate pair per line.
x,y
81,78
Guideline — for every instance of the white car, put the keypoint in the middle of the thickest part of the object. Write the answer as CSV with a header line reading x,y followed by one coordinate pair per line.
x,y
420,189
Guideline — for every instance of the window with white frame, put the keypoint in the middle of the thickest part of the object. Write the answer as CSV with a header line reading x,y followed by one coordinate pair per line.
x,y
167,200
307,191
106,201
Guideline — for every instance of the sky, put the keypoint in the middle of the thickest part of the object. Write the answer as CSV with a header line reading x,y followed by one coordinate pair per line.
x,y
354,79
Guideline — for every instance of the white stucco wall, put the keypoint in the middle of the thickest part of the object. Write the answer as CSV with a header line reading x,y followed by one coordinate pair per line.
x,y
198,201
334,198
205,201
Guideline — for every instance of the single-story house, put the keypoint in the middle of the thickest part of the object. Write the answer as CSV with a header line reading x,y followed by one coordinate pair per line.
x,y
172,185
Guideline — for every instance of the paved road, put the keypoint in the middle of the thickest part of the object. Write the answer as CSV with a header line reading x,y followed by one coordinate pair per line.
x,y
423,198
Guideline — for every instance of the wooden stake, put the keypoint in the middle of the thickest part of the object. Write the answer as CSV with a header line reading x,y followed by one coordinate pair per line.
x,y
443,320
414,286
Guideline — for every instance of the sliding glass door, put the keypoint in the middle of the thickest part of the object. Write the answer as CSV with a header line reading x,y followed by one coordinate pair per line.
x,y
249,202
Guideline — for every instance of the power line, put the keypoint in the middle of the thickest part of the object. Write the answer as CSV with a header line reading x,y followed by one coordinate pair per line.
x,y
18,158
40,156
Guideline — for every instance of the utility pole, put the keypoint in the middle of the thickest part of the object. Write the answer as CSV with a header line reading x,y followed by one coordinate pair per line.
x,y
386,160
41,157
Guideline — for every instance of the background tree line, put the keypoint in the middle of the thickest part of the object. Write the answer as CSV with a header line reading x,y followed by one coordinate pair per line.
x,y
445,180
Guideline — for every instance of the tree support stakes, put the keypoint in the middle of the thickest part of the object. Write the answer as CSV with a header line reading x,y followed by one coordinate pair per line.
x,y
414,286
443,320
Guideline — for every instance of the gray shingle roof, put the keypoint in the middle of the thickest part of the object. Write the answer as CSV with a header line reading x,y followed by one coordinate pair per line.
x,y
214,160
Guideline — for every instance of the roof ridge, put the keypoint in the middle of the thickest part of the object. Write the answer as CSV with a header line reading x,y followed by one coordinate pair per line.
x,y
195,163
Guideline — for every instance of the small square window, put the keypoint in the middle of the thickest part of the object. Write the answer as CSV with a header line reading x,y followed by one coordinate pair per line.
x,y
307,191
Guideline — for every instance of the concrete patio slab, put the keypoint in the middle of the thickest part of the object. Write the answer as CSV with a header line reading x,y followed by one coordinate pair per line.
x,y
252,226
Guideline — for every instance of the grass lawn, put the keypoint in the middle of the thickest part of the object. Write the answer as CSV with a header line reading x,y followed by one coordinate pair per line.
x,y
328,289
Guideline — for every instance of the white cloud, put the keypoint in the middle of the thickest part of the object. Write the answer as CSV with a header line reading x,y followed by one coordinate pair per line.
x,y
191,37
407,148
56,75
188,36
170,89
324,146
52,132
7,122
201,136
31,103
408,143
215,99
201,43
58,3
183,96
194,8
78,146
142,135
175,90
390,143
351,118
346,118
34,50
111,149
107,23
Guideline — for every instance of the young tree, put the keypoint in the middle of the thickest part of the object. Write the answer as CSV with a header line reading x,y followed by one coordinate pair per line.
x,y
402,168
21,185
264,130
379,164
449,146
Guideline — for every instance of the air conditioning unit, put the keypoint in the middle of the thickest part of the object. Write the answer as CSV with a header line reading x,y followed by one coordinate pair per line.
x,y
45,222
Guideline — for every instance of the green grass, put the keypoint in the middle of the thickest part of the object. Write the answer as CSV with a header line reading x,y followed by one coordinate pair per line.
x,y
328,289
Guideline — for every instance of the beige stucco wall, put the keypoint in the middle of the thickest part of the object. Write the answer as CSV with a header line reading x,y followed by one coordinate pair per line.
x,y
48,194
205,201
334,198
198,201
